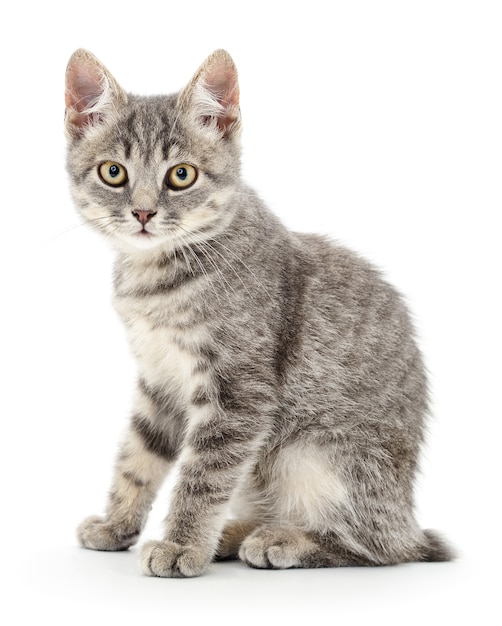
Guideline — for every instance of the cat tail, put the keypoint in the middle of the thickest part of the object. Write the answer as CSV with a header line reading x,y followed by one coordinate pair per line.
x,y
434,548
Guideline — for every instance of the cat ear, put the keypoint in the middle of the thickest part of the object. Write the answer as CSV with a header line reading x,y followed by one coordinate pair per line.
x,y
212,96
91,95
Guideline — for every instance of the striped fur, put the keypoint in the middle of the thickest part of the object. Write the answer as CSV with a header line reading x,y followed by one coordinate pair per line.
x,y
278,369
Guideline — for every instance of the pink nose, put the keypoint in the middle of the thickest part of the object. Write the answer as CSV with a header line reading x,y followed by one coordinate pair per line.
x,y
143,216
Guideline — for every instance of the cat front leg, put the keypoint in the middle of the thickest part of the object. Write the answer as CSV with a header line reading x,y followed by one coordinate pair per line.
x,y
218,454
198,513
139,473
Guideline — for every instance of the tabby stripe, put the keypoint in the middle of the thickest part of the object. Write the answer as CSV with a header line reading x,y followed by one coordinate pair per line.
x,y
132,478
162,401
200,397
155,441
163,286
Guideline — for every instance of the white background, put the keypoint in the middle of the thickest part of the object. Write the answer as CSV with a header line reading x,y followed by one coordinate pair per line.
x,y
377,122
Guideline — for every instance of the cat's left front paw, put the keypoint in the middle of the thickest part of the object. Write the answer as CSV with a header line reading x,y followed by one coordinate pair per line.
x,y
171,560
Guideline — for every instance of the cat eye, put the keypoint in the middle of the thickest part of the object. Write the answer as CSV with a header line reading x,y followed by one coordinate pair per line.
x,y
181,176
112,173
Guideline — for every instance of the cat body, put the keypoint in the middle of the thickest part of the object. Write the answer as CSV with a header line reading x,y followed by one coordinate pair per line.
x,y
279,369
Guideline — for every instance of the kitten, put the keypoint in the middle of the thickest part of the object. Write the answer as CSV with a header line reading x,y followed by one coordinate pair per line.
x,y
278,368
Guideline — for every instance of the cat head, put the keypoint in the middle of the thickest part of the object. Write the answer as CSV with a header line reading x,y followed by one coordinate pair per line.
x,y
154,172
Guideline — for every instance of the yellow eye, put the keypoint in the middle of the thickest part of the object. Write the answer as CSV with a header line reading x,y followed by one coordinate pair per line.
x,y
112,173
181,176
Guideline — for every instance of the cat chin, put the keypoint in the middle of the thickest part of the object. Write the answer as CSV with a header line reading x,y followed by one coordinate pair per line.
x,y
136,243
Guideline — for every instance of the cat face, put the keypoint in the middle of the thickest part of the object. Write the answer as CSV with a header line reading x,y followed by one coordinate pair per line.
x,y
153,173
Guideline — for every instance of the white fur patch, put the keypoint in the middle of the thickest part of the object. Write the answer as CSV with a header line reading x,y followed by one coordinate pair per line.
x,y
305,490
164,364
160,358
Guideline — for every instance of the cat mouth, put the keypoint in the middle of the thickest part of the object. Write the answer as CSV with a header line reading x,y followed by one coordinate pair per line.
x,y
143,233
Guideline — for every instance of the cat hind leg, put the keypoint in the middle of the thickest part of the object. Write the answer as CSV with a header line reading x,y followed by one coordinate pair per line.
x,y
284,547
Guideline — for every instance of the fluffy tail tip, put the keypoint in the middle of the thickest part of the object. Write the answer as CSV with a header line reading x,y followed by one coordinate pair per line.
x,y
436,548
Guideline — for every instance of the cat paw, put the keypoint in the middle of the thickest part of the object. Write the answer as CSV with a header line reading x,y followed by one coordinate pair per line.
x,y
96,533
171,560
271,547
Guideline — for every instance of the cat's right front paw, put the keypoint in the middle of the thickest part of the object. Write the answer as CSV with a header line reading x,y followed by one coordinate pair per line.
x,y
167,559
98,534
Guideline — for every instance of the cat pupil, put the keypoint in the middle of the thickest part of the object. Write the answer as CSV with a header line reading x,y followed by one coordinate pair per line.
x,y
114,171
181,173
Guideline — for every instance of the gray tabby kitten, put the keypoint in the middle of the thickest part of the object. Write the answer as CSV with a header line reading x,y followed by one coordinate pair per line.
x,y
277,368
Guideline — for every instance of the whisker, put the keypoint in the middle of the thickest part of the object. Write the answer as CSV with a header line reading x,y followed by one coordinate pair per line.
x,y
187,262
224,282
247,268
201,265
199,245
203,240
205,243
73,227
229,265
109,235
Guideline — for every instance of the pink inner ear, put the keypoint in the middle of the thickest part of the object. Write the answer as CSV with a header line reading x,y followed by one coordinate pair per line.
x,y
83,87
221,81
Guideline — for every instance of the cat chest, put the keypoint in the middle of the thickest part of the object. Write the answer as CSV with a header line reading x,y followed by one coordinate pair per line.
x,y
168,355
